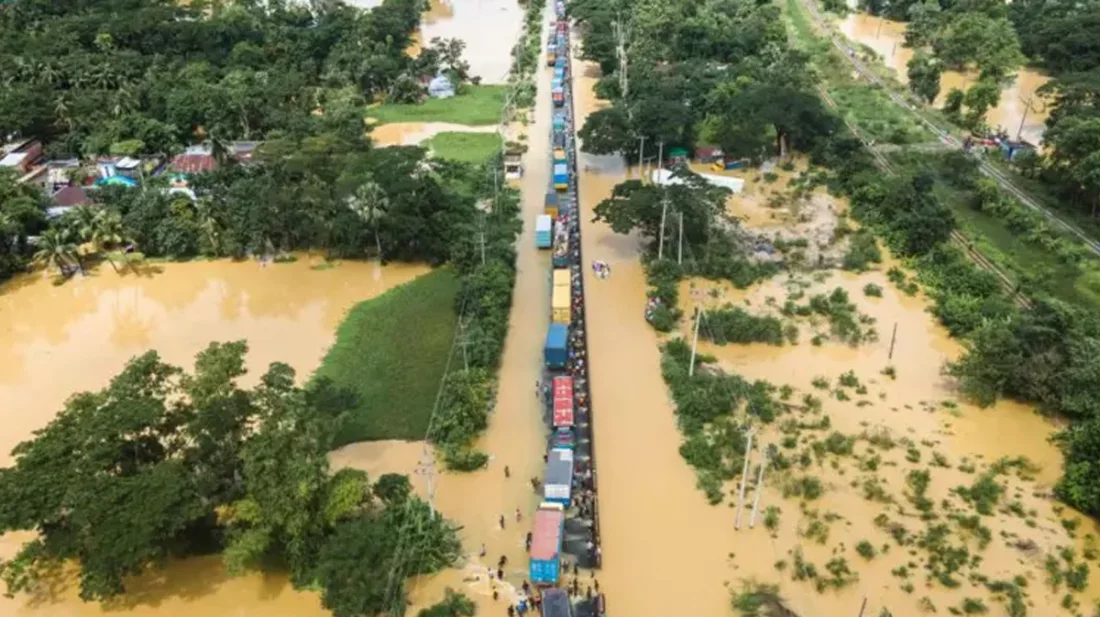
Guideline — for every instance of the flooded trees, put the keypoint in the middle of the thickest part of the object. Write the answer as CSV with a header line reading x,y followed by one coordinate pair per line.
x,y
164,463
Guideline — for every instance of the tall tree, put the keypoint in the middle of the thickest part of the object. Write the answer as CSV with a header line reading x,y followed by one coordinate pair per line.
x,y
924,72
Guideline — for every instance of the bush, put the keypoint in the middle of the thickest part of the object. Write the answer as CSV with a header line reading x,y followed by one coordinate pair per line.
x,y
862,250
865,550
872,290
734,325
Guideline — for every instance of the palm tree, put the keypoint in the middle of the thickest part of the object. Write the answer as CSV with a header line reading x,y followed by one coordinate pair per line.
x,y
209,223
107,232
370,203
54,248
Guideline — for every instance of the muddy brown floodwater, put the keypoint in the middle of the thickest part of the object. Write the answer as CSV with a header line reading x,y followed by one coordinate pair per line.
x,y
57,340
887,38
664,548
666,551
488,27
413,133
516,436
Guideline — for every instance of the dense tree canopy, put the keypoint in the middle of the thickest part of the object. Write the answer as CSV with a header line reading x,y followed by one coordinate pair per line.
x,y
698,73
87,75
163,463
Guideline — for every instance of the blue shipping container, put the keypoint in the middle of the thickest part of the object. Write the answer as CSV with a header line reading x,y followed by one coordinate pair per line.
x,y
555,352
561,176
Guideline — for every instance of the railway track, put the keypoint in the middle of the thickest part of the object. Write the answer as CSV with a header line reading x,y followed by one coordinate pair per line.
x,y
946,137
957,237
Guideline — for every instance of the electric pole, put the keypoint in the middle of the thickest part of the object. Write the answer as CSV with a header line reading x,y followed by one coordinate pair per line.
x,y
641,156
759,489
695,340
680,247
744,473
664,201
426,468
1027,107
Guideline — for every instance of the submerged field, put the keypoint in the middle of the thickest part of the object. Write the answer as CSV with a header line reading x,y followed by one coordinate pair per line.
x,y
392,351
881,483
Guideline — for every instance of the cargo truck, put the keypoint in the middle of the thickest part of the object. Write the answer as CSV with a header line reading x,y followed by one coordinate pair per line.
x,y
559,258
563,417
559,122
550,205
558,95
544,231
546,538
559,156
562,278
555,603
551,55
557,487
560,306
555,352
561,177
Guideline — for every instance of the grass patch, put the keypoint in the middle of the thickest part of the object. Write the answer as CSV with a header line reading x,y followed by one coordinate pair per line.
x,y
392,350
475,106
465,147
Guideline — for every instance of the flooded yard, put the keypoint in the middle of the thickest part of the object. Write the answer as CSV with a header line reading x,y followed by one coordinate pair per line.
x,y
1018,100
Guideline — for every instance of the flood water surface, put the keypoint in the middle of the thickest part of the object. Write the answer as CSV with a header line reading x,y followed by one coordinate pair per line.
x,y
489,28
59,339
666,551
887,39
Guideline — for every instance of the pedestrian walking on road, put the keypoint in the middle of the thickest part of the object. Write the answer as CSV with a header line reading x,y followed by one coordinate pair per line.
x,y
483,551
511,611
518,515
507,472
500,573
502,521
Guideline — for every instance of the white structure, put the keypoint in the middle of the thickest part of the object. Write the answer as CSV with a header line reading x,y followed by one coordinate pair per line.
x,y
665,177
441,87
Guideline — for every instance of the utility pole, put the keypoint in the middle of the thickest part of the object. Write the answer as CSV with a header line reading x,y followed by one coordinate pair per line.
x,y
621,36
641,156
862,607
759,489
744,472
695,340
1027,107
664,201
893,339
680,247
426,468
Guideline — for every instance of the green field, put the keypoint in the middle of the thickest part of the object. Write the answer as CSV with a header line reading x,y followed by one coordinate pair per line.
x,y
465,147
476,106
392,350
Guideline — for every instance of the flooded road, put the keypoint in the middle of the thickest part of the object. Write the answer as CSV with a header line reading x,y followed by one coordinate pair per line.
x,y
887,39
488,27
664,549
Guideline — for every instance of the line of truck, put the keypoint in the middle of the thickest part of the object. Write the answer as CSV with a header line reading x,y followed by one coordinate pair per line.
x,y
558,229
